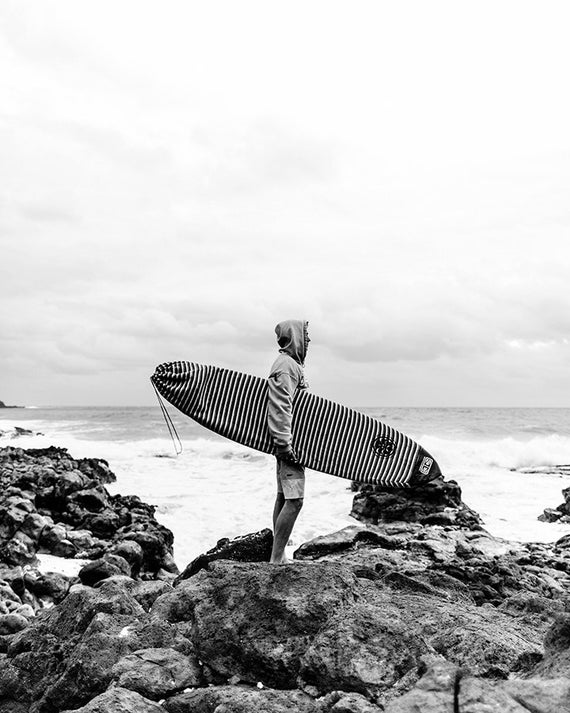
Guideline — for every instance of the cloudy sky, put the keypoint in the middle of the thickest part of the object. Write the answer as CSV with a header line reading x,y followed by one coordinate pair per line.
x,y
179,176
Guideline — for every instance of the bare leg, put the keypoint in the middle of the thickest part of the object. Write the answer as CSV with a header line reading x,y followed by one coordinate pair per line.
x,y
283,528
279,502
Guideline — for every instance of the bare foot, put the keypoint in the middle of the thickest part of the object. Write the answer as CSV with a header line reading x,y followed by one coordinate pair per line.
x,y
279,560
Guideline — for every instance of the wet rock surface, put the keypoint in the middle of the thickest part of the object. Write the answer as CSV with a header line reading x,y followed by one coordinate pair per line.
x,y
395,615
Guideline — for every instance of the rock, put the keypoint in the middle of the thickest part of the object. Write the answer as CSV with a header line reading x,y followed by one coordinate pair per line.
x,y
556,660
349,627
11,623
146,593
157,673
52,503
256,620
66,655
436,502
435,692
550,515
445,689
93,499
457,562
119,700
540,696
362,648
341,702
107,566
562,512
480,696
255,547
241,699
132,552
336,630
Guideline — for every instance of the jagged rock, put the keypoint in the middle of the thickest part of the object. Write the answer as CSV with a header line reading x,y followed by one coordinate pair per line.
x,y
342,702
362,648
456,562
556,660
11,623
435,692
562,512
66,656
347,628
435,503
157,673
445,689
336,629
550,515
146,593
107,566
540,696
242,699
255,620
119,700
254,547
53,503
132,552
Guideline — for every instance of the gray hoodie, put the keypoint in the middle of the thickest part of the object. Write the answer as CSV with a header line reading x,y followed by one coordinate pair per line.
x,y
285,377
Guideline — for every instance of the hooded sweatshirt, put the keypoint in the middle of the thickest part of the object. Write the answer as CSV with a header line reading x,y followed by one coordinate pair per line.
x,y
285,377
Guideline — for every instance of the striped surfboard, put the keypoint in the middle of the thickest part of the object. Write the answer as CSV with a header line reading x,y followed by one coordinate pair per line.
x,y
327,436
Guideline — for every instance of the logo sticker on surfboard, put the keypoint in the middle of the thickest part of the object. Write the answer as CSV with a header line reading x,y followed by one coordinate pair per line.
x,y
383,446
426,465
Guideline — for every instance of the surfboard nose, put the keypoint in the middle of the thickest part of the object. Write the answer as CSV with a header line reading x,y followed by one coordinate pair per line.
x,y
180,382
425,470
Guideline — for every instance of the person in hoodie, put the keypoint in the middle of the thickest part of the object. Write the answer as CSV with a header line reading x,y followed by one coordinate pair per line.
x,y
285,378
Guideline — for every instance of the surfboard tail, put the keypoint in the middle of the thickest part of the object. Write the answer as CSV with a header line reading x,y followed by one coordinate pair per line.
x,y
425,470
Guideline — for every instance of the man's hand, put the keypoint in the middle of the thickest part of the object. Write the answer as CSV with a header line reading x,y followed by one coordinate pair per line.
x,y
288,455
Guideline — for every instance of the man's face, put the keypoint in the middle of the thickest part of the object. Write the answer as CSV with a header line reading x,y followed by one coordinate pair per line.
x,y
307,340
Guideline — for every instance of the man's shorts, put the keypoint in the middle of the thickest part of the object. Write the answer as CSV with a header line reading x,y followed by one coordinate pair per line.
x,y
290,480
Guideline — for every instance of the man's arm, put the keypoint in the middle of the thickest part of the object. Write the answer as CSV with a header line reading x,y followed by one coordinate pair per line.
x,y
281,389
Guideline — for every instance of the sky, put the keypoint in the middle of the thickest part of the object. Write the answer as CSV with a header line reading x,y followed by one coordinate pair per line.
x,y
177,177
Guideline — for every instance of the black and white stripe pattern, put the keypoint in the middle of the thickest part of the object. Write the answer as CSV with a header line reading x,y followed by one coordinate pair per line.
x,y
327,437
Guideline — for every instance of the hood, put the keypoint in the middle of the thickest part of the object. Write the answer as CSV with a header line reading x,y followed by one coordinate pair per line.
x,y
292,338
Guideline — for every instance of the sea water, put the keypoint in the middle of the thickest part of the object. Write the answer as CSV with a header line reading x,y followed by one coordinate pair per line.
x,y
507,462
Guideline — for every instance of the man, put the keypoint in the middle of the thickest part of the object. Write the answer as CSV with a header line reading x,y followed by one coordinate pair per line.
x,y
285,377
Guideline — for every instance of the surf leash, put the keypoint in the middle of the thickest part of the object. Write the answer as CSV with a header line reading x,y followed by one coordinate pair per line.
x,y
169,424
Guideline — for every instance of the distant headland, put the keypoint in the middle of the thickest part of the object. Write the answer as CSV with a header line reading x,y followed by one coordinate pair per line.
x,y
3,405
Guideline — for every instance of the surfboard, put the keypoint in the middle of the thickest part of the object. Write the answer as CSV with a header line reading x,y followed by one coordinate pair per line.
x,y
327,437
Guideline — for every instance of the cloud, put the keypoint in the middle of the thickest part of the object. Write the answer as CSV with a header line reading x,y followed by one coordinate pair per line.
x,y
45,213
175,190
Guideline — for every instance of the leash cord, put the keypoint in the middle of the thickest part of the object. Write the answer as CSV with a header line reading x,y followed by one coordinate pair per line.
x,y
169,424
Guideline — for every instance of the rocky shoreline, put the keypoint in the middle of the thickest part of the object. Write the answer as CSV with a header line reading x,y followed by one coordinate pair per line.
x,y
413,608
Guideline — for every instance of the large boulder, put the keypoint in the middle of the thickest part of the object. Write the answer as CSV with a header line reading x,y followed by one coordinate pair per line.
x,y
256,620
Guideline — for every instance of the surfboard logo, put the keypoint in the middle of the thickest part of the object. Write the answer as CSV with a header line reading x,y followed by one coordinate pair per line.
x,y
383,446
426,465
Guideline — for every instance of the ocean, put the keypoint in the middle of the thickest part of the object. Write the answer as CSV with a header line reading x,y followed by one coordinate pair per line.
x,y
508,462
